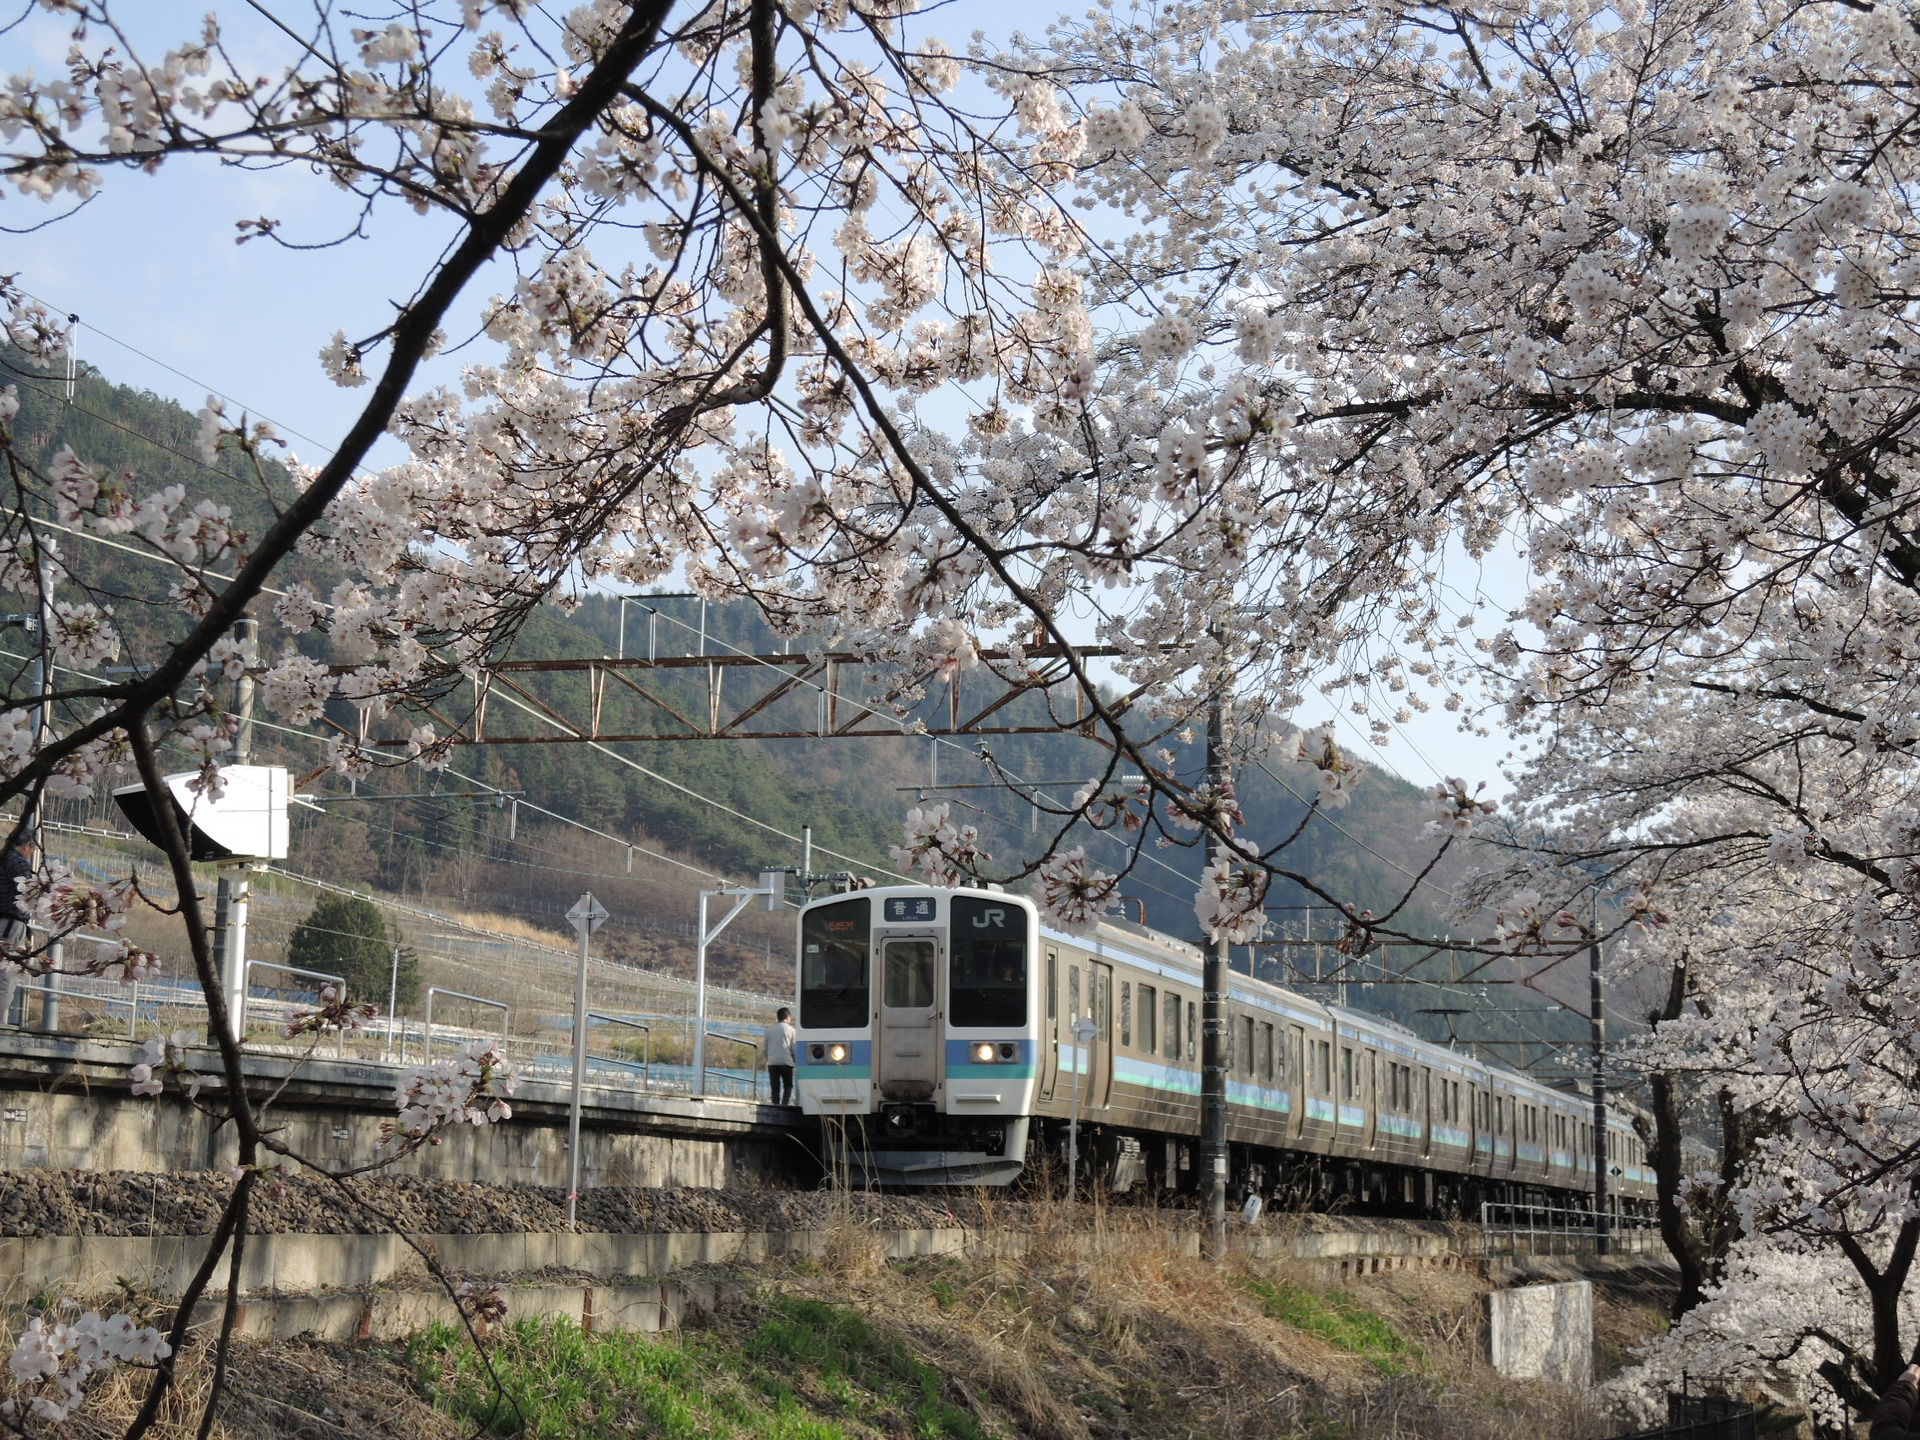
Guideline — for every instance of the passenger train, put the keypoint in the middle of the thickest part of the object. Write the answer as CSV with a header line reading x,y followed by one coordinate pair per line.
x,y
939,1026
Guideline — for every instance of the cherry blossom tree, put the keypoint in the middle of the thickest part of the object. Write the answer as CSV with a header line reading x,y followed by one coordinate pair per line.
x,y
1626,291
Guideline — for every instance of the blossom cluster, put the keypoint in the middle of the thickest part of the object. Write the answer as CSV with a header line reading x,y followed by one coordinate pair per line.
x,y
53,1360
472,1088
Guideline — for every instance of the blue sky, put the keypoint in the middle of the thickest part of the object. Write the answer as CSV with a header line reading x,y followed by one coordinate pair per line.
x,y
167,301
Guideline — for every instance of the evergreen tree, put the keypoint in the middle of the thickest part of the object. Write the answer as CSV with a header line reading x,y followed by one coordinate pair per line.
x,y
347,936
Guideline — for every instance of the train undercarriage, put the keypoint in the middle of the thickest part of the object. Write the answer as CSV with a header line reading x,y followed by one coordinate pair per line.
x,y
1167,1169
915,1146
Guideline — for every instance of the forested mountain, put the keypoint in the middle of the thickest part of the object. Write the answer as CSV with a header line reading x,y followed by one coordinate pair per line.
x,y
712,801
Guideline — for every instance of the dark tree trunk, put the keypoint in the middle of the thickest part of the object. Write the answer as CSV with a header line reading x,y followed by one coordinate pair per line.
x,y
1699,1244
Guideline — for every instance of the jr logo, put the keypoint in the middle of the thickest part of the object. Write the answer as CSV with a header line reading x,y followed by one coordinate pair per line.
x,y
993,919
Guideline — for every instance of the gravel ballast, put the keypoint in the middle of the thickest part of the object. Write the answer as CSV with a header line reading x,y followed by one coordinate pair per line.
x,y
67,1202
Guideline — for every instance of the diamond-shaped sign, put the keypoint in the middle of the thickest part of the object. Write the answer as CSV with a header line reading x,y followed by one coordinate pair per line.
x,y
587,913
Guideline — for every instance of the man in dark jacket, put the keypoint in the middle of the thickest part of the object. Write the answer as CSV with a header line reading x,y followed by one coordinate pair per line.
x,y
16,868
1893,1417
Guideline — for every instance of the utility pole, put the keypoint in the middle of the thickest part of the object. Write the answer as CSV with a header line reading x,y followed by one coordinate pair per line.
x,y
1213,1025
234,891
393,1000
741,896
1085,1032
1602,1228
586,915
43,725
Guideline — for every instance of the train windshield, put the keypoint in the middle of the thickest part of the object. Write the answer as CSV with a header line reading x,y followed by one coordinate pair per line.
x,y
987,948
834,945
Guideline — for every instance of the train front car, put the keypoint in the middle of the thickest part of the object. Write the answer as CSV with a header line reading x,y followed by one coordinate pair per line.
x,y
917,1033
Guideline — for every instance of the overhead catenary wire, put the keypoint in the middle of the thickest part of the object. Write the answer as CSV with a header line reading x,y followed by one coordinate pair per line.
x,y
437,917
635,846
601,748
650,773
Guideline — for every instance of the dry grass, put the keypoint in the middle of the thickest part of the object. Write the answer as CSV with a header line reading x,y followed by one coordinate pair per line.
x,y
1064,1324
1101,1324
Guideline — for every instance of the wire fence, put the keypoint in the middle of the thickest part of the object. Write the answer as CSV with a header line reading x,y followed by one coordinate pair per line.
x,y
514,990
1702,1417
1561,1230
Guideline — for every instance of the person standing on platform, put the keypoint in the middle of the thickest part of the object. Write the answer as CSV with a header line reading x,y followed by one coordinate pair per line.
x,y
780,1038
16,869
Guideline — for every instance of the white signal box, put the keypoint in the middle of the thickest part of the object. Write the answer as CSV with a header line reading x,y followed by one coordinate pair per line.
x,y
248,820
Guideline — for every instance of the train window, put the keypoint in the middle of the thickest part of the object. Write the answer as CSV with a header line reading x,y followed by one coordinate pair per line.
x,y
1149,1020
1346,1072
1073,995
909,975
1171,1038
1053,985
987,963
1326,1067
1458,1113
1266,1052
1126,1013
1193,1030
834,951
1246,1051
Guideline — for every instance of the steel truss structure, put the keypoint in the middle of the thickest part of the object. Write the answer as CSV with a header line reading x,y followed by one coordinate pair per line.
x,y
758,697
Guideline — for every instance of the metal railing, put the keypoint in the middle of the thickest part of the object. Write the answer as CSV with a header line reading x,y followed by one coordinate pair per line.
x,y
506,1020
1516,1229
1701,1417
752,1076
645,1063
47,987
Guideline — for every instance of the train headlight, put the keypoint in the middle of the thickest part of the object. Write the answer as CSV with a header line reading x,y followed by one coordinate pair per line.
x,y
993,1052
837,1054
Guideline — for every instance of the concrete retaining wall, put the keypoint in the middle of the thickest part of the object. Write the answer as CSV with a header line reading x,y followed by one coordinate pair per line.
x,y
647,1306
294,1264
66,1104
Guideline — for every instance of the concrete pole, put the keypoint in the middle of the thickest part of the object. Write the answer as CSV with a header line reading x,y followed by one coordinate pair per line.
x,y
232,889
1078,1030
1602,1228
43,687
579,1075
393,1002
700,1006
1213,1028
235,879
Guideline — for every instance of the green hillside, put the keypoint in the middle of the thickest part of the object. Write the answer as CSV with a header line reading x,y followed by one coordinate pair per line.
x,y
461,842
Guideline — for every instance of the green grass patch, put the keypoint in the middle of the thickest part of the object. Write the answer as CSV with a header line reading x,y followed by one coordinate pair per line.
x,y
807,1371
1343,1323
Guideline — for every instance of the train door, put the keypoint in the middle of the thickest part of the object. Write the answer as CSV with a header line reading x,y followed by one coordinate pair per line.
x,y
1297,1073
1372,1098
908,1041
1100,1061
1049,1057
